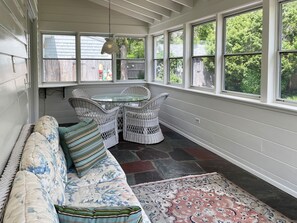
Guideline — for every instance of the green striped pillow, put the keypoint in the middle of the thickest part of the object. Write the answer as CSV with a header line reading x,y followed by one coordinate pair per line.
x,y
86,147
129,214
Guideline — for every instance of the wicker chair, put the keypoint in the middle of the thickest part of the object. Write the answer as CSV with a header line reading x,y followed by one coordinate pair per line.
x,y
80,93
106,119
141,124
137,89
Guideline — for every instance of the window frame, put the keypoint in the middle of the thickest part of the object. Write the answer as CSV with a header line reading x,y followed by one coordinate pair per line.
x,y
224,54
280,51
79,56
157,59
42,75
201,56
116,59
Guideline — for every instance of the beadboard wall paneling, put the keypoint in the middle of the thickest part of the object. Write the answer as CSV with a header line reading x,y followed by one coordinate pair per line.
x,y
13,75
260,140
85,16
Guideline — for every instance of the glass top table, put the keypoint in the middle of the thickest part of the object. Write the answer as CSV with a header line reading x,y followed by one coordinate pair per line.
x,y
119,98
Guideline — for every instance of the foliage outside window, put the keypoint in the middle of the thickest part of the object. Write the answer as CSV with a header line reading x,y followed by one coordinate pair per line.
x,y
59,58
176,50
130,58
159,58
203,55
242,56
94,65
288,51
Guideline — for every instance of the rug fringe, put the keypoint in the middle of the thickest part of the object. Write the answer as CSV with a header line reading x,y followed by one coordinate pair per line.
x,y
177,178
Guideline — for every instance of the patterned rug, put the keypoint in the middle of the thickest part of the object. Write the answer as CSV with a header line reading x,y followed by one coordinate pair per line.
x,y
202,198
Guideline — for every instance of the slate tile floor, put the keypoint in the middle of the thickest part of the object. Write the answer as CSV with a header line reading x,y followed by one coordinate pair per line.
x,y
177,156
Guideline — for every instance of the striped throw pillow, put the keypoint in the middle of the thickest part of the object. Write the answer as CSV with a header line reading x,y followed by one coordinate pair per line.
x,y
129,214
86,147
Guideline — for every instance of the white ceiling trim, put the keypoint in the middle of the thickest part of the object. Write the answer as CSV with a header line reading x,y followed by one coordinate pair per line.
x,y
168,4
148,11
124,11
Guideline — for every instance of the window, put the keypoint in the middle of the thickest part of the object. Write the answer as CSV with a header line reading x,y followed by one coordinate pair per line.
x,y
130,59
94,65
159,58
59,58
288,51
242,53
176,50
203,54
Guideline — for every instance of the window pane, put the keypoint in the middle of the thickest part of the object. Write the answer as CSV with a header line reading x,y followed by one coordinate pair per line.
x,y
289,76
243,73
59,56
130,48
176,44
130,69
289,28
59,46
203,72
244,32
59,70
175,71
159,47
96,70
159,70
91,47
204,39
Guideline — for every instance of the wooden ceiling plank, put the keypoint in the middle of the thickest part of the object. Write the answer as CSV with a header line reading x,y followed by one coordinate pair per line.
x,y
168,4
124,11
151,7
137,9
187,3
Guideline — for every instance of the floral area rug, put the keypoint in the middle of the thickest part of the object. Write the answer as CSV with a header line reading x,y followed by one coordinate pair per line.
x,y
202,198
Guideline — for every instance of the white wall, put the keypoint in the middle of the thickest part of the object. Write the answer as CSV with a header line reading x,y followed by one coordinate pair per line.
x,y
85,16
13,70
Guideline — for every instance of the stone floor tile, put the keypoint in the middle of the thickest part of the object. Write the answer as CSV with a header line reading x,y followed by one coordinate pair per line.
x,y
171,169
151,154
137,166
131,179
124,156
180,155
202,154
147,177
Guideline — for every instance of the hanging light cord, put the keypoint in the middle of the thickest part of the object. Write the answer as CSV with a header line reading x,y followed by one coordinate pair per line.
x,y
109,19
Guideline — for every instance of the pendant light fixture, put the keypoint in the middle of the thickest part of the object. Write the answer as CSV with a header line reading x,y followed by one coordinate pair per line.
x,y
110,45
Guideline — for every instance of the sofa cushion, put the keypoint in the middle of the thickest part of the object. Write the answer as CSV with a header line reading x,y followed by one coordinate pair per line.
x,y
62,132
106,170
29,202
48,127
131,214
39,159
86,147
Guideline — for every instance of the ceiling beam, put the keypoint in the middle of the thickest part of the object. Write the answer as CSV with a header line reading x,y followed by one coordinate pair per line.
x,y
124,11
187,3
168,4
136,9
151,7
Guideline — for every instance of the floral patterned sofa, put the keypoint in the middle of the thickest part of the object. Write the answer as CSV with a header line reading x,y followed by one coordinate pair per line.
x,y
43,181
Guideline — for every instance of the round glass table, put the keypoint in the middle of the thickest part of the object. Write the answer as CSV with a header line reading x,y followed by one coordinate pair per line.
x,y
117,99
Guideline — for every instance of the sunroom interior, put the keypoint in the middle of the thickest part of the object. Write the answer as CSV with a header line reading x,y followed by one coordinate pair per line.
x,y
229,68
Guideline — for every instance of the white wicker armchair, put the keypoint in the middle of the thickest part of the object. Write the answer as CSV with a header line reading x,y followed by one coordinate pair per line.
x,y
106,119
141,124
137,89
80,93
